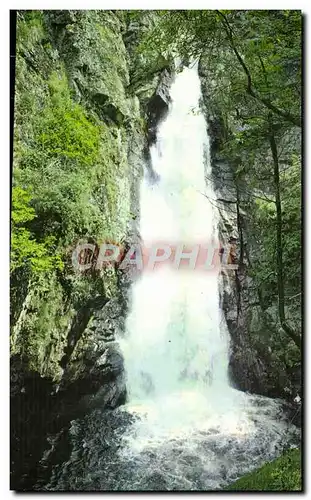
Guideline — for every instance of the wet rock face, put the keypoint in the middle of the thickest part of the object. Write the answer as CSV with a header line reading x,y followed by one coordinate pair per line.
x,y
158,105
253,364
252,372
96,358
95,58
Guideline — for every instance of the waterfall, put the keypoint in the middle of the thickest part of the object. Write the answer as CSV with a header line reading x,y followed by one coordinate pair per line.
x,y
175,339
176,347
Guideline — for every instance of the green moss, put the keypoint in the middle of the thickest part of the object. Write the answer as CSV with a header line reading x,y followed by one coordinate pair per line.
x,y
30,28
96,60
282,474
113,177
40,338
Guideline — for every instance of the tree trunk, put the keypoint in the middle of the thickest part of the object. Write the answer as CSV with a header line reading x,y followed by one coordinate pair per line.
x,y
239,222
279,250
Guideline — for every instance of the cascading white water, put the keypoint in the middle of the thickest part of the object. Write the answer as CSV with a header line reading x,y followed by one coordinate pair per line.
x,y
175,342
176,350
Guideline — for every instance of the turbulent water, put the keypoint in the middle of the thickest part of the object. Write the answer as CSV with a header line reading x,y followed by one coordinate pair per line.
x,y
184,426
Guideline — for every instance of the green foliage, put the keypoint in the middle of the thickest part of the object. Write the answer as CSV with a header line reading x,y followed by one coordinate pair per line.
x,y
21,210
58,161
263,214
25,250
268,43
74,162
282,474
290,179
31,29
64,128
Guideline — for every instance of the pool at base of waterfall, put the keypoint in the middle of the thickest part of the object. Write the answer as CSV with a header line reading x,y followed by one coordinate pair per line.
x,y
139,447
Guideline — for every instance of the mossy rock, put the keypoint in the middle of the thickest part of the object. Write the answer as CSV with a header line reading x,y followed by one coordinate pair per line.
x,y
282,474
78,141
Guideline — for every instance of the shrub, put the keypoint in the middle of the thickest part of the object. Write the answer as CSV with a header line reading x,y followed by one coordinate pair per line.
x,y
25,250
65,129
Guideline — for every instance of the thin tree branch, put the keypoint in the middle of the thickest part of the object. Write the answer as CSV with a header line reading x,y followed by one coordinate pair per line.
x,y
249,88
